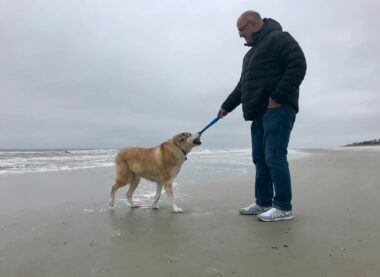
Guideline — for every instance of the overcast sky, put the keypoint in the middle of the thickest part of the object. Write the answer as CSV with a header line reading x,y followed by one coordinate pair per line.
x,y
94,74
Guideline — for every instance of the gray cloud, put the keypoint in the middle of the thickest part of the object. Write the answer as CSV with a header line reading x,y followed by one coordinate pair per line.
x,y
108,74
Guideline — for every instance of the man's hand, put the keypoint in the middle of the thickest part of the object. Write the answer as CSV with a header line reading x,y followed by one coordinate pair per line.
x,y
222,113
273,104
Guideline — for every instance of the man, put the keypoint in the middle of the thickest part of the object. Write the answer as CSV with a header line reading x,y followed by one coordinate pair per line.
x,y
268,90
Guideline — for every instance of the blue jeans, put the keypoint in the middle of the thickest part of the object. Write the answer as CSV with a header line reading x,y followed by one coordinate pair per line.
x,y
270,138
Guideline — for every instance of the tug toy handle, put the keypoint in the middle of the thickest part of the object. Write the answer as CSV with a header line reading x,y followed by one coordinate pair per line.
x,y
210,124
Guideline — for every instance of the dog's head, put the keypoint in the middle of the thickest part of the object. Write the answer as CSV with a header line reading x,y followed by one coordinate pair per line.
x,y
187,140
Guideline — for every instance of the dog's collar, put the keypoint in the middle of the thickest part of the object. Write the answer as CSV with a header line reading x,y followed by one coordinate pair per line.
x,y
183,151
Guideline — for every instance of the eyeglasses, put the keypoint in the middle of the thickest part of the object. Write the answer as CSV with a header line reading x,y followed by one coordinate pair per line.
x,y
241,30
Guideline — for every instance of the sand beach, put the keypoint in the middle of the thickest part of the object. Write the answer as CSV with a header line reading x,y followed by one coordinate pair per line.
x,y
59,223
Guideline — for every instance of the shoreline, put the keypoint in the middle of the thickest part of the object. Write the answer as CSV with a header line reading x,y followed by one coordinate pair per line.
x,y
59,224
15,163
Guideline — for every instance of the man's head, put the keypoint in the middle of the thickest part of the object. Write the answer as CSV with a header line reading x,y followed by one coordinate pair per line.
x,y
248,23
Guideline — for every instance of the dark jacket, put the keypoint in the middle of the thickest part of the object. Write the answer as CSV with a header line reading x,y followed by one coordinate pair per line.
x,y
274,67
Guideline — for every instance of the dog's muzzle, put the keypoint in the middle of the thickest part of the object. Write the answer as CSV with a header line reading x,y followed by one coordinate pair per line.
x,y
197,140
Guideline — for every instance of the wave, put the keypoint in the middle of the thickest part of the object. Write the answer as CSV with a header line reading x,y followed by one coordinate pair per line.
x,y
37,161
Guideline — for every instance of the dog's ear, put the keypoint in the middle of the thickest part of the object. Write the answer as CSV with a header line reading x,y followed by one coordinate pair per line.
x,y
182,137
177,138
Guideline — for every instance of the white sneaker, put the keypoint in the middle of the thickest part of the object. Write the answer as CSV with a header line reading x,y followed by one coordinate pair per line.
x,y
253,209
275,214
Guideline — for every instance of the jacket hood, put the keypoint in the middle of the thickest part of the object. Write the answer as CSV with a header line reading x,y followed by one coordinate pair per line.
x,y
270,25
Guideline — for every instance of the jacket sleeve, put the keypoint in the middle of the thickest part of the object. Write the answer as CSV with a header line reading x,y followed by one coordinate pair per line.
x,y
292,58
233,100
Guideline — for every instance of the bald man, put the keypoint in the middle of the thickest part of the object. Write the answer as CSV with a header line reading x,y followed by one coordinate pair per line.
x,y
268,90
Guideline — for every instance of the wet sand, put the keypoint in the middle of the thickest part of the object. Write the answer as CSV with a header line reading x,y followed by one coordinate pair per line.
x,y
59,224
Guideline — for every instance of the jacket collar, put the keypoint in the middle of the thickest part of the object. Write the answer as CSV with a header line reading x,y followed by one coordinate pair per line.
x,y
270,25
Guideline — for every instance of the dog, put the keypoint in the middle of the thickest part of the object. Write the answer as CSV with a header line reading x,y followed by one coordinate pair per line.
x,y
160,164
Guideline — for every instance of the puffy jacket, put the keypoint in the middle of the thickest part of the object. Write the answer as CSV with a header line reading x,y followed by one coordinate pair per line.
x,y
274,67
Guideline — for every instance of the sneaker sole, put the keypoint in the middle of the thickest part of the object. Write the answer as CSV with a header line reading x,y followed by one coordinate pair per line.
x,y
250,213
276,219
243,213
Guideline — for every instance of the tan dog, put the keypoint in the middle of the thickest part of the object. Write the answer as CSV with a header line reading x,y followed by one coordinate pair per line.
x,y
159,164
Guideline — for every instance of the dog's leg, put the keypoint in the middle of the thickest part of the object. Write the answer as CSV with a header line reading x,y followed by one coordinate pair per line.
x,y
169,192
157,196
133,185
122,176
115,187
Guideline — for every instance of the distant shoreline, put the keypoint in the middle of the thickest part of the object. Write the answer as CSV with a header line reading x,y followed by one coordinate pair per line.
x,y
374,142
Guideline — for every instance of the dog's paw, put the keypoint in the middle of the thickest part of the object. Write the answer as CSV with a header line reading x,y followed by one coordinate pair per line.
x,y
135,205
177,210
155,207
111,204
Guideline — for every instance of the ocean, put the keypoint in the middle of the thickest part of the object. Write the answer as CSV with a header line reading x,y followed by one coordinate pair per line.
x,y
203,161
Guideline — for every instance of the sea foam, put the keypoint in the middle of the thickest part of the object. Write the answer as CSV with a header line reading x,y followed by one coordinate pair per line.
x,y
201,160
